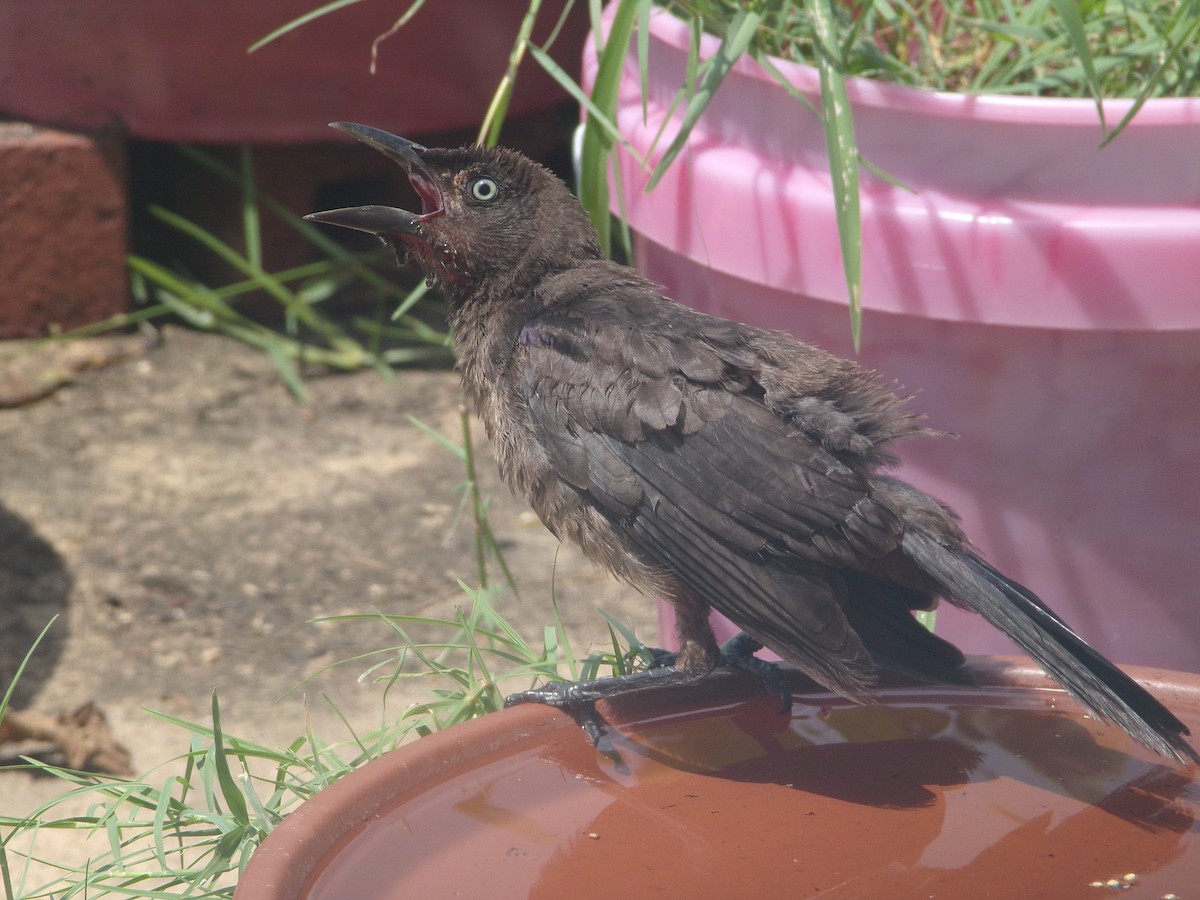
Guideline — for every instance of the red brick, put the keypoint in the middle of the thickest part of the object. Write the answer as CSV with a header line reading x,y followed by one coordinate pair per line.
x,y
64,225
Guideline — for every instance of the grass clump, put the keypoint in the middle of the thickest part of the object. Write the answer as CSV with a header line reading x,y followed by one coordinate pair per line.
x,y
1107,48
190,834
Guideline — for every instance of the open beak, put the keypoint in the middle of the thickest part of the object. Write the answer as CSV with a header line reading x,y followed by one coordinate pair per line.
x,y
384,220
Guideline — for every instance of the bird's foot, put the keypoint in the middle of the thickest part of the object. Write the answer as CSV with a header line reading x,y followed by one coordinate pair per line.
x,y
579,697
738,653
660,658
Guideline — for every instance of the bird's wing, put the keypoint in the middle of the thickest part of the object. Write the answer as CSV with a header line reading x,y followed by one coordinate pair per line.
x,y
667,433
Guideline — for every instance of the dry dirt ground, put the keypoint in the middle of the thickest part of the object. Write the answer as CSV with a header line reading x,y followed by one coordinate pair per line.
x,y
186,520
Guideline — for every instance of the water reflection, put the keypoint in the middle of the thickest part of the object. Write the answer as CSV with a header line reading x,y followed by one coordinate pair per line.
x,y
951,793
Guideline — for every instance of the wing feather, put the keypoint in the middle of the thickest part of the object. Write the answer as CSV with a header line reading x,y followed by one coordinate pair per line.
x,y
674,442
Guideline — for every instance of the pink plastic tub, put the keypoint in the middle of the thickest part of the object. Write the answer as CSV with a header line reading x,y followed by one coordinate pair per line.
x,y
1040,294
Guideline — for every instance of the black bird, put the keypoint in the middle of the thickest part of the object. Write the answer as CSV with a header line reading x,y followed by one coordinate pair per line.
x,y
717,465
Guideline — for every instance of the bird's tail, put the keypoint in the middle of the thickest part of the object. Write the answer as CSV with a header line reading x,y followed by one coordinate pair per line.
x,y
1089,677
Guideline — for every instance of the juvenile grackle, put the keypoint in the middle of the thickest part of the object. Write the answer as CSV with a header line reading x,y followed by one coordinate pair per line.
x,y
717,465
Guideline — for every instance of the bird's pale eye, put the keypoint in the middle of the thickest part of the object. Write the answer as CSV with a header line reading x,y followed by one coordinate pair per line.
x,y
484,189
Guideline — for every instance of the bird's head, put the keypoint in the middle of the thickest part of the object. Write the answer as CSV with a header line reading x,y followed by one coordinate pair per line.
x,y
487,214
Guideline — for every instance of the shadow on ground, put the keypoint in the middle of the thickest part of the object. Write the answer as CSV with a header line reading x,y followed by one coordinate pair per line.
x,y
35,586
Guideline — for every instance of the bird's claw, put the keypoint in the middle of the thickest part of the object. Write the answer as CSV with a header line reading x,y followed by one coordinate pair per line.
x,y
661,659
574,697
738,653
566,695
579,697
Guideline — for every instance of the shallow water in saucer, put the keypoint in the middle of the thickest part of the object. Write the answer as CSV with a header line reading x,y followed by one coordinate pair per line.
x,y
978,793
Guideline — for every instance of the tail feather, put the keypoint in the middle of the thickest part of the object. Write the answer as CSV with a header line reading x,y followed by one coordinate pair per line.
x,y
1089,677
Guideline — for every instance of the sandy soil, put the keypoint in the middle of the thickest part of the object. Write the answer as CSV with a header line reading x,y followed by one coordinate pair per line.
x,y
186,519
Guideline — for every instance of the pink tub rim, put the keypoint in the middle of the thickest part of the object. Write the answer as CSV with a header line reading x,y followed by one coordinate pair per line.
x,y
1018,218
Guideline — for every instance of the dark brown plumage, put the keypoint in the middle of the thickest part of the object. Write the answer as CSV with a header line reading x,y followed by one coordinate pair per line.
x,y
717,465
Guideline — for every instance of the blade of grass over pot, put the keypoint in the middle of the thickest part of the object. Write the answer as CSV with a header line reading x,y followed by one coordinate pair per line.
x,y
734,43
597,138
594,158
1068,11
493,120
842,148
1182,35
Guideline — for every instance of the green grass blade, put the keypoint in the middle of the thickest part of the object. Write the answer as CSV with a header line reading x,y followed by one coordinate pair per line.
x,y
235,802
404,19
161,811
1189,33
278,352
456,449
310,232
603,119
1068,11
301,20
411,299
12,684
251,230
598,139
843,157
493,119
742,27
771,69
643,56
199,305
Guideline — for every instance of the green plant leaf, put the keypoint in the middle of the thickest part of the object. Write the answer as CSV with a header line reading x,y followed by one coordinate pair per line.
x,y
12,684
843,156
733,46
1184,35
281,358
1068,11
251,227
456,449
597,139
603,119
300,20
235,802
493,119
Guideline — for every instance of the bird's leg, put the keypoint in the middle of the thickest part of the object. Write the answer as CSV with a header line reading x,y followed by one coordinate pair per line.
x,y
698,649
739,653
